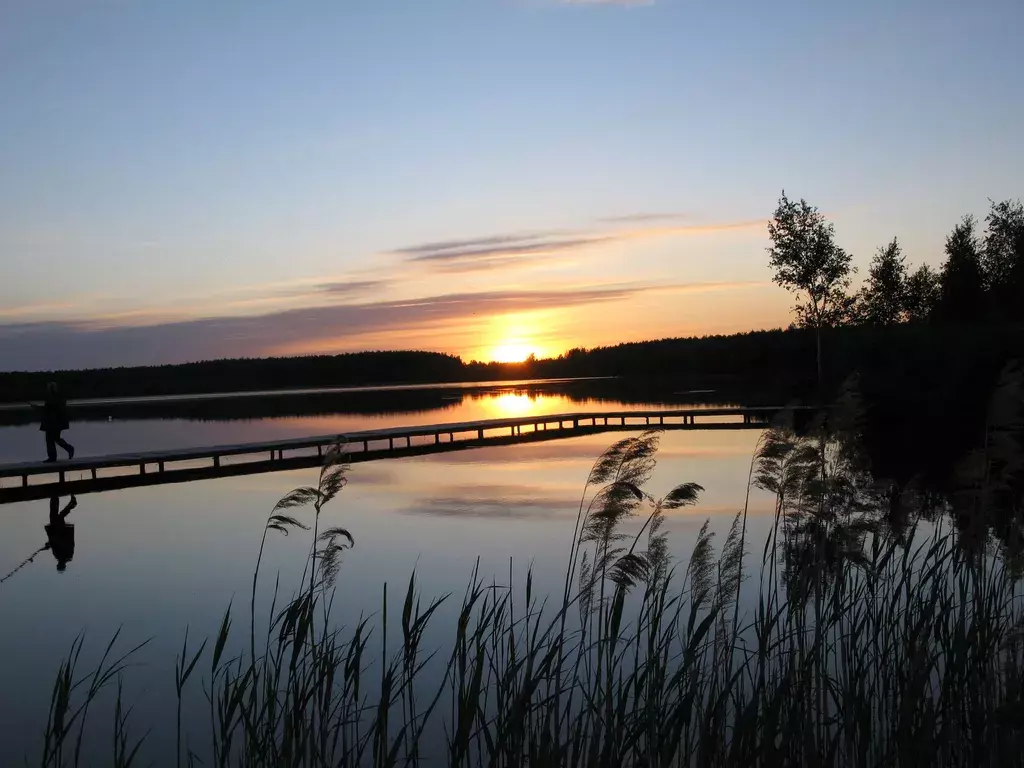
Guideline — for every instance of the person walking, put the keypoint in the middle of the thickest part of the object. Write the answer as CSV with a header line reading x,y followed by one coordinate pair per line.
x,y
54,420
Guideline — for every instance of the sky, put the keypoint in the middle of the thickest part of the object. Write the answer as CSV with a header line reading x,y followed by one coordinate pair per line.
x,y
491,178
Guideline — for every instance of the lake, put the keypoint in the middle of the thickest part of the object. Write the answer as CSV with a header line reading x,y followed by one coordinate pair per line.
x,y
156,560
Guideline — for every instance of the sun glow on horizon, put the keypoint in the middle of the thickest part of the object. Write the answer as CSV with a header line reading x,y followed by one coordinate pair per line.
x,y
515,337
512,352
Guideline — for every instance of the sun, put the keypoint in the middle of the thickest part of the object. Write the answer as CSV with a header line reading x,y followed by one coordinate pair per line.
x,y
514,338
510,352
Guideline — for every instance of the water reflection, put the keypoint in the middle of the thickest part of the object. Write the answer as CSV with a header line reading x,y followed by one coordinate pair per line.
x,y
195,545
60,534
511,404
60,538
250,420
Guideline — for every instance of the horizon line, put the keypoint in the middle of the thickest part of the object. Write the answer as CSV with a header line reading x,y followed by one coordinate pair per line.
x,y
455,357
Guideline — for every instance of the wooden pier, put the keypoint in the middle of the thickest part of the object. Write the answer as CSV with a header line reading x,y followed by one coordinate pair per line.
x,y
35,480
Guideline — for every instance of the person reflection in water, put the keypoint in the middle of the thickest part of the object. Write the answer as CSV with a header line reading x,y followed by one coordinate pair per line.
x,y
60,534
54,420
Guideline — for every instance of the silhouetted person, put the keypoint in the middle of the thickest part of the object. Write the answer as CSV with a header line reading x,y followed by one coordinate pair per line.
x,y
54,420
60,535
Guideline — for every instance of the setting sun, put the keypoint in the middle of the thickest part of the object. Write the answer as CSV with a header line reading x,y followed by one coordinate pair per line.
x,y
514,337
510,353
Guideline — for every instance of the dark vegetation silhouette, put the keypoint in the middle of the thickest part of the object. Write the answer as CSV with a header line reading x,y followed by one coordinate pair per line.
x,y
962,282
806,261
884,299
246,374
1002,260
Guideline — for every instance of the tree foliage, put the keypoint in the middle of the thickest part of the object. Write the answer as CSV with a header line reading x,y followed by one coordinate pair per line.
x,y
1002,258
962,298
980,281
807,261
922,294
884,298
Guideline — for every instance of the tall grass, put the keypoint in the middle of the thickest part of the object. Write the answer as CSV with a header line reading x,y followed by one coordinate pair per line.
x,y
865,647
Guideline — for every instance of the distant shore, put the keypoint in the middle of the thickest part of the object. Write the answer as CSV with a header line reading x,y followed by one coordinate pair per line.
x,y
906,357
297,392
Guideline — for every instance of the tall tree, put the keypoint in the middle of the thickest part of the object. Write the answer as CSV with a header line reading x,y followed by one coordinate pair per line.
x,y
922,294
808,263
962,298
883,298
1002,258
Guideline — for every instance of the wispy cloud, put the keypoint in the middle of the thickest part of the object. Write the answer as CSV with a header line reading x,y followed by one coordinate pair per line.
x,y
693,229
246,300
496,251
36,310
633,218
527,248
494,241
349,289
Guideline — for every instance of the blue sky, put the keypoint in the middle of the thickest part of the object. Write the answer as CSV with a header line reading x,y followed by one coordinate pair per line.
x,y
189,179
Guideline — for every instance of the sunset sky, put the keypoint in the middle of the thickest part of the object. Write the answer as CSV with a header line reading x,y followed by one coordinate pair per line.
x,y
188,179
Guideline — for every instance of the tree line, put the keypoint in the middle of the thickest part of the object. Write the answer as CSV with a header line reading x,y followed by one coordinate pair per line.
x,y
980,281
243,375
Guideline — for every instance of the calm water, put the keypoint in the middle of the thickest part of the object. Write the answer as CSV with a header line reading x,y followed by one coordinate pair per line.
x,y
155,560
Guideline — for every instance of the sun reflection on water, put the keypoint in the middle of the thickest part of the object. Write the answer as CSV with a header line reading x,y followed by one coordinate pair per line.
x,y
511,404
